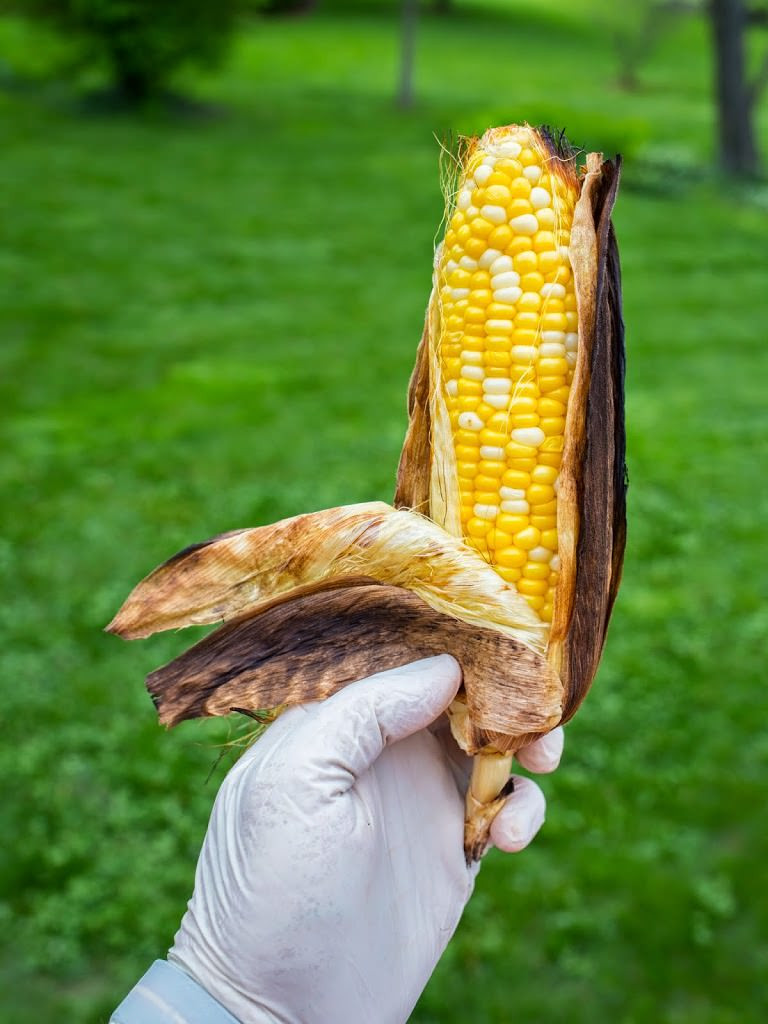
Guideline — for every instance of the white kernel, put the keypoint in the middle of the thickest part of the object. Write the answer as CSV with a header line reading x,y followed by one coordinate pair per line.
x,y
497,385
495,214
507,279
510,148
525,224
553,336
539,554
532,173
450,266
492,453
555,563
472,212
552,291
508,295
452,387
523,353
565,253
511,493
499,326
465,198
531,436
459,293
496,401
570,358
502,264
571,342
486,511
556,484
472,372
467,263
539,197
483,173
470,421
488,258
476,358
490,160
516,508
551,350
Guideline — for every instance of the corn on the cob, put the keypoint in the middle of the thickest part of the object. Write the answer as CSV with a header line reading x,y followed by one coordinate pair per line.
x,y
514,450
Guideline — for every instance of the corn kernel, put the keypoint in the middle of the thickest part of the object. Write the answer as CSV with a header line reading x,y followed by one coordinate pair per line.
x,y
511,558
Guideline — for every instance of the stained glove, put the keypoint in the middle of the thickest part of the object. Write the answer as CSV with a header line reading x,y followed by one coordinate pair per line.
x,y
332,875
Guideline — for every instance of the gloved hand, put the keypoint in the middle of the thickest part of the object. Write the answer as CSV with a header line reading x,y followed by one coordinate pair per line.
x,y
332,875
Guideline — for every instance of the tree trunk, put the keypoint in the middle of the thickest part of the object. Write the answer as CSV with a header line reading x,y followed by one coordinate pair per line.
x,y
407,48
738,150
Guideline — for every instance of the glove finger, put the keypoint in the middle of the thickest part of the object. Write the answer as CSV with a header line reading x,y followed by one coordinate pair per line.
x,y
543,755
520,818
349,730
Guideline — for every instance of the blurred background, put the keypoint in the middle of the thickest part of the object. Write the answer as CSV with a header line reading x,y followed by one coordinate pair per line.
x,y
218,225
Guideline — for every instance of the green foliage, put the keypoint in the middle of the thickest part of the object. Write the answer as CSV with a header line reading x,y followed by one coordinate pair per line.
x,y
142,42
207,325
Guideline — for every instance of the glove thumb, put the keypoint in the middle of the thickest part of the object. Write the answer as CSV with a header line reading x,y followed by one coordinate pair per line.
x,y
352,727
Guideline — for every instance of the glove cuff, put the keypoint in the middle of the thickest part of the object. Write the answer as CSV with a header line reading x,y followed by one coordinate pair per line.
x,y
166,995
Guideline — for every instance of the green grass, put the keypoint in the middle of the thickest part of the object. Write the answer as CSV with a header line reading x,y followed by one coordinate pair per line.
x,y
209,323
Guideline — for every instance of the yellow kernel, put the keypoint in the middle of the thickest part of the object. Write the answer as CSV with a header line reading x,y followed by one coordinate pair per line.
x,y
545,613
552,425
500,237
491,468
510,167
520,243
570,301
463,234
524,419
540,494
498,195
544,241
543,523
472,342
527,538
536,571
532,588
553,306
467,437
511,558
527,158
474,247
482,297
469,388
520,188
492,438
550,458
561,395
497,371
518,207
529,302
498,342
543,508
487,497
481,227
531,282
549,262
501,311
555,322
464,453
549,539
514,478
508,575
485,412
497,358
525,262
457,219
478,527
477,315
498,538
572,322
523,465
480,279
544,475
467,403
551,366
556,443
524,336
460,307
520,451
549,384
460,278
497,178
486,483
536,603
546,218
450,238
523,404
549,407
498,421
511,524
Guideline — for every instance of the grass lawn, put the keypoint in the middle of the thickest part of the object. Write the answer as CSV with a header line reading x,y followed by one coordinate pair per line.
x,y
210,323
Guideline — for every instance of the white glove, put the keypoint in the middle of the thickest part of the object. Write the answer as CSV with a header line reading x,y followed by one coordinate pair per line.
x,y
332,875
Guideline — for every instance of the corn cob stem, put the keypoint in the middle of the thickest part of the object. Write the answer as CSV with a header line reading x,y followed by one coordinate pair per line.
x,y
485,798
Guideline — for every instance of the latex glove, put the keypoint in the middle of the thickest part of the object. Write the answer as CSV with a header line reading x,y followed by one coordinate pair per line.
x,y
332,875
